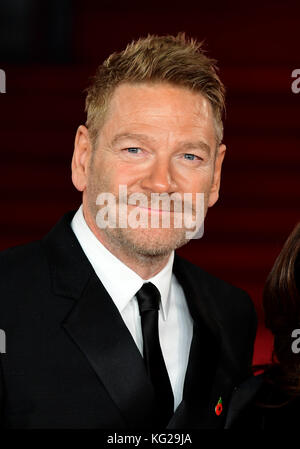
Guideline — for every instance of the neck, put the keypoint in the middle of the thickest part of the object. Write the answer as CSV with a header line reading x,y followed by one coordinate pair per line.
x,y
145,266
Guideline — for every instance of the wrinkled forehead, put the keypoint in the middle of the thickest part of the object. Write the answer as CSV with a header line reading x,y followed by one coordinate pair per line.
x,y
160,108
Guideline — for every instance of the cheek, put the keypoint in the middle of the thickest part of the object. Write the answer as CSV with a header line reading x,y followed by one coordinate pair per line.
x,y
102,173
99,179
199,181
126,174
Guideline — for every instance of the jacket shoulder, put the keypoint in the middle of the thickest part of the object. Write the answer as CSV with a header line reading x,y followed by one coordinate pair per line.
x,y
218,289
24,269
20,257
227,310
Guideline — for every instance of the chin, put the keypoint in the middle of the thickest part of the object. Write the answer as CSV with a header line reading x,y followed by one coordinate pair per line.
x,y
154,242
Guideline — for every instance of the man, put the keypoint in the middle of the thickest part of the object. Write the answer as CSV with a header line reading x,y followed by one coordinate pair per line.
x,y
106,326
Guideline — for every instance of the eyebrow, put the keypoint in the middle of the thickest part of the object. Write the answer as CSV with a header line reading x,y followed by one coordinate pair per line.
x,y
200,145
143,138
139,137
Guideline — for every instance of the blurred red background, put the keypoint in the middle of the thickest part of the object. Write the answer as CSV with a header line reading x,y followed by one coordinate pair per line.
x,y
50,49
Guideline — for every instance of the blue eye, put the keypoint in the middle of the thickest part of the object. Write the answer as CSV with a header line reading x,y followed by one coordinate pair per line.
x,y
190,157
133,150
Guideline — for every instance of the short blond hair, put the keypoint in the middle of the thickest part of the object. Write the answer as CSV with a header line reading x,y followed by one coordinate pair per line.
x,y
177,60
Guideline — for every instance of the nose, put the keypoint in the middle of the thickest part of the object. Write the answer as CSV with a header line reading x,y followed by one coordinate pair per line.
x,y
159,178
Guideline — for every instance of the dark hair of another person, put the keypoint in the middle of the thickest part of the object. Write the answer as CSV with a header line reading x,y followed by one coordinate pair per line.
x,y
281,302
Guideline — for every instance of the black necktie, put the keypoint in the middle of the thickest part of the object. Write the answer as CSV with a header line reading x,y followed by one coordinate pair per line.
x,y
148,299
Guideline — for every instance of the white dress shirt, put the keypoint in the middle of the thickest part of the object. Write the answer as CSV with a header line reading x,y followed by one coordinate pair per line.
x,y
175,323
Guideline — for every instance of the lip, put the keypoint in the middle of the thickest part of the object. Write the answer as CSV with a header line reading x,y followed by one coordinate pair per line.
x,y
149,209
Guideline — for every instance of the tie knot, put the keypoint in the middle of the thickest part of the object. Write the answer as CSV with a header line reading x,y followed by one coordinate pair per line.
x,y
148,297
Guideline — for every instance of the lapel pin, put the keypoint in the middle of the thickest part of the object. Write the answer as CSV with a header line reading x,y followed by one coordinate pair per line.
x,y
219,407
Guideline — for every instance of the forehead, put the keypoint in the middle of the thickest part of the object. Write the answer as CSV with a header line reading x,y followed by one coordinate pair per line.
x,y
160,108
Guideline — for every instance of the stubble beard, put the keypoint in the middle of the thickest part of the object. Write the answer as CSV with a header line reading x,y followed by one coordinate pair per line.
x,y
141,244
146,243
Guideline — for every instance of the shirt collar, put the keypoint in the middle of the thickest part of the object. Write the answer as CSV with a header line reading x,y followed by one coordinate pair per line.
x,y
120,281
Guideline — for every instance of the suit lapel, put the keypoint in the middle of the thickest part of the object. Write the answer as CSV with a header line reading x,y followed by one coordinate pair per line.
x,y
209,375
192,412
97,328
242,396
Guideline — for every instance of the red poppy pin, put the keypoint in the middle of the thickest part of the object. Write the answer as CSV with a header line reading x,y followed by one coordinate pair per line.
x,y
219,407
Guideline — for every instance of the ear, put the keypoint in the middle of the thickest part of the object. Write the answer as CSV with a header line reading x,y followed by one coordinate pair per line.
x,y
81,157
215,187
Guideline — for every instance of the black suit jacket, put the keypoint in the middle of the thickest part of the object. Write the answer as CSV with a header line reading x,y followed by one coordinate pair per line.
x,y
261,403
71,362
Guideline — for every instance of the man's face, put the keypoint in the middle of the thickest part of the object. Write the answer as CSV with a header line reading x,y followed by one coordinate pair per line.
x,y
156,138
